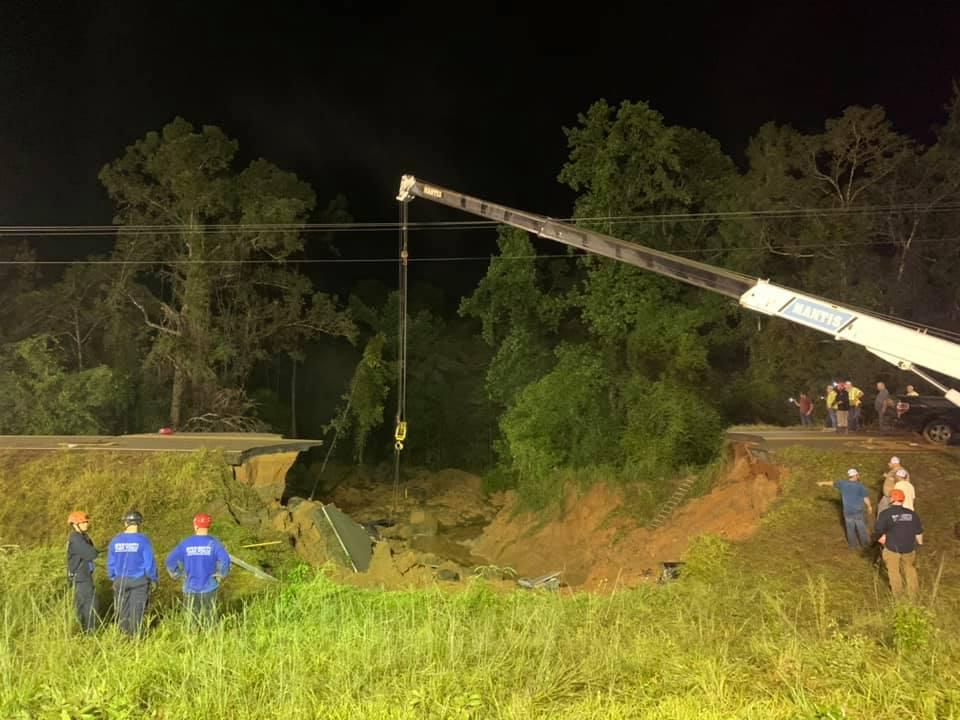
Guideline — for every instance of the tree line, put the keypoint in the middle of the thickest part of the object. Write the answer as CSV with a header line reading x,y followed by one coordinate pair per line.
x,y
203,319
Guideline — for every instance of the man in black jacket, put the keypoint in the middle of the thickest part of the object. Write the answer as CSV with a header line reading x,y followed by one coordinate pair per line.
x,y
900,531
80,556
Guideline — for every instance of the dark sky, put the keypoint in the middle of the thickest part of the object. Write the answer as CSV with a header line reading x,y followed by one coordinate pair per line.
x,y
470,95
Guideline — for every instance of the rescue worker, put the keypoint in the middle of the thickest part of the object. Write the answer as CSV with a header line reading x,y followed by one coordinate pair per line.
x,y
132,569
80,556
856,399
900,531
203,562
830,400
854,497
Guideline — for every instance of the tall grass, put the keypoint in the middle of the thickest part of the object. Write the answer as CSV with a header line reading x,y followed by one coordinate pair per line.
x,y
787,625
714,644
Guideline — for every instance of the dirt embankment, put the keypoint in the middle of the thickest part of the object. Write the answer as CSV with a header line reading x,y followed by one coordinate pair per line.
x,y
598,547
445,526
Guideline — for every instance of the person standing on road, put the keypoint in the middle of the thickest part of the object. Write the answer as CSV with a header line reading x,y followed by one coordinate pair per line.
x,y
133,570
805,406
854,497
80,556
203,562
830,400
855,395
900,531
882,404
842,403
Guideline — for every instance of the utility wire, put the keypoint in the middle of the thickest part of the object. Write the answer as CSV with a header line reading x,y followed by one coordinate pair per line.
x,y
785,213
475,258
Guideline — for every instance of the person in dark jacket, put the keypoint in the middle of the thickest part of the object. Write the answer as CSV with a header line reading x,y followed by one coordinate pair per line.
x,y
80,556
900,531
842,404
133,571
202,561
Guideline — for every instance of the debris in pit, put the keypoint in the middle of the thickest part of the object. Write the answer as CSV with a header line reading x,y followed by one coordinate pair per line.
x,y
322,533
671,571
551,581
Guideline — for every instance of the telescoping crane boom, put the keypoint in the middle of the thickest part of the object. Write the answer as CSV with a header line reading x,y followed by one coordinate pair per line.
x,y
903,346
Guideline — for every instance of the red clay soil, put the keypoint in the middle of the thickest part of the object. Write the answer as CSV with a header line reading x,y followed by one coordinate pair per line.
x,y
599,549
592,540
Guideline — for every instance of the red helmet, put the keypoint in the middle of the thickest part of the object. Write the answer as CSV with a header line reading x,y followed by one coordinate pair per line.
x,y
897,495
202,520
77,517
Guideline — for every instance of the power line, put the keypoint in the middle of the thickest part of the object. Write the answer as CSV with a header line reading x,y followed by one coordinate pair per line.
x,y
720,250
742,215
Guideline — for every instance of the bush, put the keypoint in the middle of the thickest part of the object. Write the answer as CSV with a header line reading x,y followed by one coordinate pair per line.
x,y
563,420
669,426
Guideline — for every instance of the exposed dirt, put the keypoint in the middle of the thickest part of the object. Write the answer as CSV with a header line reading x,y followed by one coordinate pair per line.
x,y
445,528
597,547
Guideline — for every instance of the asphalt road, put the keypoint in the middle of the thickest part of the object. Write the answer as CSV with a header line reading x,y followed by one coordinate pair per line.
x,y
774,438
236,447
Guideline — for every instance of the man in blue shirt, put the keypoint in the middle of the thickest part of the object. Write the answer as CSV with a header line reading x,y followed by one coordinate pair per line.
x,y
855,498
202,561
132,570
899,530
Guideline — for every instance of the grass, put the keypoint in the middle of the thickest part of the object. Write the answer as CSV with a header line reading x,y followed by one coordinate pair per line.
x,y
786,625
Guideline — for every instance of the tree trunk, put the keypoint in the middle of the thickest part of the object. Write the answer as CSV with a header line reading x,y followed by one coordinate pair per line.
x,y
293,399
176,397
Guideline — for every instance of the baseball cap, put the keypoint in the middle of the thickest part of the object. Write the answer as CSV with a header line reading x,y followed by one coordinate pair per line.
x,y
852,472
894,460
901,473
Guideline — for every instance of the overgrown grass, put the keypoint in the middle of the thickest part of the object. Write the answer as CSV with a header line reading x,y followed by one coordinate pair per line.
x,y
168,488
714,644
786,625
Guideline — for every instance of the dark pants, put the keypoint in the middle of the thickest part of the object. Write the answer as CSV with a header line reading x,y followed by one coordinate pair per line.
x,y
201,608
85,602
130,603
805,420
856,531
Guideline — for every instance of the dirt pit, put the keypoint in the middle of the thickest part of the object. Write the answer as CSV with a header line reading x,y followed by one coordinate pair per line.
x,y
444,529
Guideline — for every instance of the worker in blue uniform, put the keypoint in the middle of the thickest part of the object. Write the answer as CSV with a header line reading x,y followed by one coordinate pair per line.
x,y
202,562
132,569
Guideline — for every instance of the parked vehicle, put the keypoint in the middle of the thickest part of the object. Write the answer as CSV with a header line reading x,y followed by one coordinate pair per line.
x,y
933,416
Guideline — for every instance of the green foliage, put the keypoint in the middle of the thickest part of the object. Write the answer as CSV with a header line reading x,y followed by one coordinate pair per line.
x,y
450,420
368,391
912,628
561,420
669,426
211,323
41,398
708,558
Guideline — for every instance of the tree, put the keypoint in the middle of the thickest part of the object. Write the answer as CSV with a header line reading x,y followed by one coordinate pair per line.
x,y
40,398
209,251
74,309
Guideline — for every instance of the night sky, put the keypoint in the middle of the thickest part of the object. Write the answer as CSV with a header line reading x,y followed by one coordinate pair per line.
x,y
469,95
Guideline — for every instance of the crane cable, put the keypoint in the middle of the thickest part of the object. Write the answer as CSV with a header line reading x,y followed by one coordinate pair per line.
x,y
400,431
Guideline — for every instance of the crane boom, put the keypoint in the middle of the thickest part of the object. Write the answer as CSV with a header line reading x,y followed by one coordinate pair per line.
x,y
907,348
